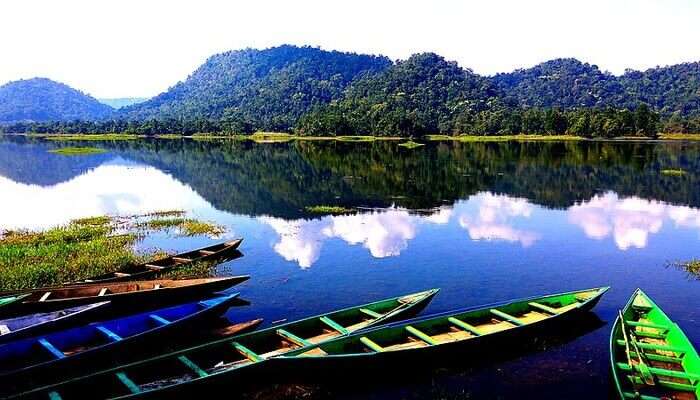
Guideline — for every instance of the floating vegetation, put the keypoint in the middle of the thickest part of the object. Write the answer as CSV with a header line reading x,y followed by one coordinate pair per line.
x,y
66,253
77,151
321,209
411,144
673,172
692,268
186,226
85,247
165,213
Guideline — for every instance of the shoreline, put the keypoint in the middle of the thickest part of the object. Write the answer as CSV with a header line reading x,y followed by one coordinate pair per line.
x,y
274,137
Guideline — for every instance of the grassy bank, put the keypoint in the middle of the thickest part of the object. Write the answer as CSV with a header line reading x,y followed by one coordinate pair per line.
x,y
277,137
85,247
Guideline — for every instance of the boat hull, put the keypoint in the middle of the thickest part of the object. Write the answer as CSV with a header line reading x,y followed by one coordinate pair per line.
x,y
145,344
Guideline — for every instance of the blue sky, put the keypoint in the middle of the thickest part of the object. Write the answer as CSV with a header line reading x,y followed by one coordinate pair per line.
x,y
140,48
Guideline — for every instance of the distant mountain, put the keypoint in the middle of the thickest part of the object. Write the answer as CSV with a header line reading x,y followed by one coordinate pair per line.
x,y
41,99
675,88
423,94
564,82
260,89
569,83
123,101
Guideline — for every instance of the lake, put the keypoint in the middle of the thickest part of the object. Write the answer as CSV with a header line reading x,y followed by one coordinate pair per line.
x,y
485,222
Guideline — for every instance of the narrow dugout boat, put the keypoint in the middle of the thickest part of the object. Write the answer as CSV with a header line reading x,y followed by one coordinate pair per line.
x,y
152,268
204,368
35,324
650,355
466,336
41,360
124,296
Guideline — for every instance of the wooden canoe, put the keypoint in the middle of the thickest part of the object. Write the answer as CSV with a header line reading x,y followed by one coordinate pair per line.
x,y
463,336
204,366
651,357
35,324
124,296
152,268
45,359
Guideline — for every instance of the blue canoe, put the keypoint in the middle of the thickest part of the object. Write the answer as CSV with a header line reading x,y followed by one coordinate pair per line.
x,y
60,355
36,324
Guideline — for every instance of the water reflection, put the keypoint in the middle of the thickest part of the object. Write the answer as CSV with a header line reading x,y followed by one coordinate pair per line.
x,y
630,220
115,188
384,233
492,221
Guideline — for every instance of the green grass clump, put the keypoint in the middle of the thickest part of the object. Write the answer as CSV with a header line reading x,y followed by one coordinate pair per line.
x,y
411,144
187,226
328,209
673,172
192,227
77,151
66,253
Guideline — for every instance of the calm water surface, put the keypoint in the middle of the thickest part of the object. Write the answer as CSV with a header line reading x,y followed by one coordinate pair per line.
x,y
484,222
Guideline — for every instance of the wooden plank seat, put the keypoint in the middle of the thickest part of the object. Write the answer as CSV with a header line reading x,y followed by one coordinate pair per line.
x,y
420,335
370,344
194,367
507,317
133,387
110,335
159,319
371,313
246,352
293,338
544,308
469,328
51,348
334,325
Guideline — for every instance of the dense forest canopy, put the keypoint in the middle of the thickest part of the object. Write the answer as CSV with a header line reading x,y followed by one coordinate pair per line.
x,y
310,91
41,99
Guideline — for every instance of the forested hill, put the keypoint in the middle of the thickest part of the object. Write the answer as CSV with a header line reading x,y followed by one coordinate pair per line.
x,y
311,91
260,89
569,83
41,99
425,93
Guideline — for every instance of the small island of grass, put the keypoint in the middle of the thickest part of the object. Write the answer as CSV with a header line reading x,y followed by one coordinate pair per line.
x,y
411,144
673,172
85,247
77,151
324,209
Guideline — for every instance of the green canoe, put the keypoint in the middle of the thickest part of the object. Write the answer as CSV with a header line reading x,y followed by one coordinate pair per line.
x,y
223,362
651,357
465,337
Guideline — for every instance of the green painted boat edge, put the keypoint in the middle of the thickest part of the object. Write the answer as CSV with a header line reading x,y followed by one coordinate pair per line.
x,y
428,295
613,339
600,292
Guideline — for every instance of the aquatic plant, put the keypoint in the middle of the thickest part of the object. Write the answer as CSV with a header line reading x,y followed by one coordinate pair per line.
x,y
77,151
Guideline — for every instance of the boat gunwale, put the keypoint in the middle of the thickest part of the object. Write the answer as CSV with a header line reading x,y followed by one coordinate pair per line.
x,y
616,325
226,300
428,295
295,354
